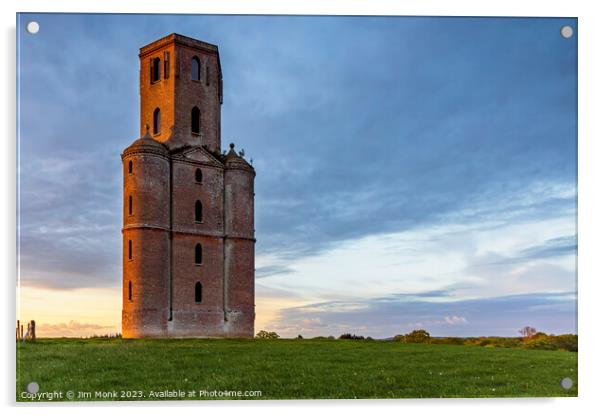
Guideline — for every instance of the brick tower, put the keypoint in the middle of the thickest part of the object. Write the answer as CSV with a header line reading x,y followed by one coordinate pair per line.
x,y
188,218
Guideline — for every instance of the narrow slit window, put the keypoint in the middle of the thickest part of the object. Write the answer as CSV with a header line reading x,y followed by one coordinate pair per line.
x,y
198,176
198,211
130,290
198,254
165,65
195,117
198,292
130,167
130,249
130,205
155,70
195,69
156,121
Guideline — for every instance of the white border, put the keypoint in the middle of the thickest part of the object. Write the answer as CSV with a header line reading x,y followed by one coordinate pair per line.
x,y
590,206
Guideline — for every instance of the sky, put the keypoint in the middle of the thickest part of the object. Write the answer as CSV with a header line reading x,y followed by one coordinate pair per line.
x,y
412,172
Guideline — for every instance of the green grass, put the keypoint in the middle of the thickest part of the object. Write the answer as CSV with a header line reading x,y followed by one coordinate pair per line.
x,y
292,369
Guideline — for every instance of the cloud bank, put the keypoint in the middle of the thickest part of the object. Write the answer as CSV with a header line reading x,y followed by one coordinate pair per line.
x,y
359,128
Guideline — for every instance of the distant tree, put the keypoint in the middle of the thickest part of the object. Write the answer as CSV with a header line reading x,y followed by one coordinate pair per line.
x,y
417,336
528,332
262,334
106,336
349,336
539,342
566,342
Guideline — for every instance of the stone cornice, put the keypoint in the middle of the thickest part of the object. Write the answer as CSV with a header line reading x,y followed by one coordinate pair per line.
x,y
178,40
146,150
181,232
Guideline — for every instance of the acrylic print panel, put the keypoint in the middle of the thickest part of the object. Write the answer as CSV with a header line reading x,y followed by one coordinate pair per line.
x,y
295,207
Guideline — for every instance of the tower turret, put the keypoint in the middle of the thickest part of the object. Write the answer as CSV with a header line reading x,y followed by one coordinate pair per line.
x,y
145,238
239,259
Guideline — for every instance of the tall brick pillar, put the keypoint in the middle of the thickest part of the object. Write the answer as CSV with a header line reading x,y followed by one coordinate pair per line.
x,y
239,257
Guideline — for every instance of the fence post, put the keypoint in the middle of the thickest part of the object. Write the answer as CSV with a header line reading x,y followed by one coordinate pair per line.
x,y
33,330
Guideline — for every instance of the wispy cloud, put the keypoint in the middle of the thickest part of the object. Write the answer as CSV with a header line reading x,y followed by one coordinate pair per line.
x,y
453,320
560,246
271,270
551,312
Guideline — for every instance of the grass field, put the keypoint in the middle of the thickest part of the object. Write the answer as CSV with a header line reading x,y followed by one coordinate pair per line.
x,y
287,369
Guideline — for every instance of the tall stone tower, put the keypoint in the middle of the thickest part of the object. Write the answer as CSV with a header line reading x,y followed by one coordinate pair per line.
x,y
188,217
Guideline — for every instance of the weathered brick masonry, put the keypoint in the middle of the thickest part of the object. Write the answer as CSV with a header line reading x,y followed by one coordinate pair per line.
x,y
188,228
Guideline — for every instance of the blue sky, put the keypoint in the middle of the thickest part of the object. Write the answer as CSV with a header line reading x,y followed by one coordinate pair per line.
x,y
411,172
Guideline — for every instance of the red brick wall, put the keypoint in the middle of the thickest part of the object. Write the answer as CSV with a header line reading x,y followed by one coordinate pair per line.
x,y
191,318
240,249
160,94
178,94
187,191
147,313
148,229
191,93
239,196
148,184
240,281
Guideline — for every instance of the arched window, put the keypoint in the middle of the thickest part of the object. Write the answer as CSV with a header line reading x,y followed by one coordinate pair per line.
x,y
198,176
130,249
195,69
155,70
130,290
195,118
130,167
198,292
198,211
156,121
198,254
130,205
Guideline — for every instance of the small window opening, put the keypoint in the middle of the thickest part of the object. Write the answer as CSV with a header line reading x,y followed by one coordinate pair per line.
x,y
195,118
198,254
155,70
165,65
156,121
198,292
198,211
195,69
